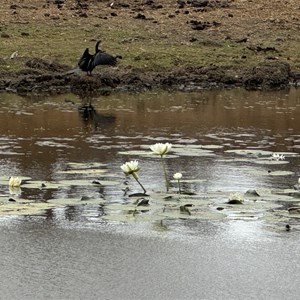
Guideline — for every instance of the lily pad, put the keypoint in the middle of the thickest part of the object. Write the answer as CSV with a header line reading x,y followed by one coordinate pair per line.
x,y
198,215
24,209
132,207
40,185
85,166
132,218
5,179
254,152
82,171
270,162
67,183
192,150
136,153
260,172
176,199
76,201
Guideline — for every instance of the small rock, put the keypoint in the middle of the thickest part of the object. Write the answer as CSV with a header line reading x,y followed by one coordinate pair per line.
x,y
184,209
83,15
242,40
294,210
96,182
140,16
85,198
199,3
143,202
14,6
181,3
5,35
235,201
252,193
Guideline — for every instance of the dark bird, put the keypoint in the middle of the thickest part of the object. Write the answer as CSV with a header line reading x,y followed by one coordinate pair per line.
x,y
88,61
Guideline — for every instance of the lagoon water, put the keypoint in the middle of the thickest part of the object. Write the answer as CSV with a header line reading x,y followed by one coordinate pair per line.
x,y
73,252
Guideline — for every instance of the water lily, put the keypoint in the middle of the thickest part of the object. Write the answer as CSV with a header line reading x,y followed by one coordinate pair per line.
x,y
277,156
178,176
13,190
14,181
130,168
160,148
299,181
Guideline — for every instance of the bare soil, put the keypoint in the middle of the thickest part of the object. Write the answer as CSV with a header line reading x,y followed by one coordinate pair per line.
x,y
184,44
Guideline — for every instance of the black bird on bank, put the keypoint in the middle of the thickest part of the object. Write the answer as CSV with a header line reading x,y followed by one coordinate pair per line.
x,y
88,61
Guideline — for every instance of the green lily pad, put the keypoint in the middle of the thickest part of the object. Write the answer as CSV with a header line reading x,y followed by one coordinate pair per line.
x,y
270,162
5,179
260,172
176,199
82,171
67,183
76,201
24,209
212,147
84,166
255,152
40,185
132,207
136,153
139,217
194,215
192,150
256,206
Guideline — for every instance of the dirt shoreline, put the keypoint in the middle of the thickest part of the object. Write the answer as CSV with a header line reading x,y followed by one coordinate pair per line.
x,y
183,44
43,77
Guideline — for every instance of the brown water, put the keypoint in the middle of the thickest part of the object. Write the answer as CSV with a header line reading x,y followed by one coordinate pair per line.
x,y
71,253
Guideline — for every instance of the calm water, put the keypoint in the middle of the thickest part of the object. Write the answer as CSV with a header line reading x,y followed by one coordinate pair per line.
x,y
72,253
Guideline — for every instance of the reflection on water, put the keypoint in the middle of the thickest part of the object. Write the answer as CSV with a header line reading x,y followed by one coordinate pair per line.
x,y
40,136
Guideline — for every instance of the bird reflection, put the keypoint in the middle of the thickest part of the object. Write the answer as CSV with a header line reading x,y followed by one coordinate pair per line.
x,y
90,116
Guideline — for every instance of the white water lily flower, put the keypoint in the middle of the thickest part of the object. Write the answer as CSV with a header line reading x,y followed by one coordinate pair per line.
x,y
277,156
160,148
299,181
14,181
131,167
177,176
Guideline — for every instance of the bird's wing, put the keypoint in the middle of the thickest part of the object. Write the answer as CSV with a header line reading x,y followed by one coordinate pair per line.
x,y
84,59
102,58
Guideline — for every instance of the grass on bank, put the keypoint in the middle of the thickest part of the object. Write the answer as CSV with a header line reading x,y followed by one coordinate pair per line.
x,y
138,46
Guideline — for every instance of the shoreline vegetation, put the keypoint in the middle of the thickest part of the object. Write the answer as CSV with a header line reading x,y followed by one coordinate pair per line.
x,y
175,45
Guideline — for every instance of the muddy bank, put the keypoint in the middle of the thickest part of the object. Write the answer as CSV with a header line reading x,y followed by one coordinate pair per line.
x,y
40,76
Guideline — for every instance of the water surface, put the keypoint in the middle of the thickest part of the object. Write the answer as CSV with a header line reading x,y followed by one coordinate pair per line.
x,y
72,252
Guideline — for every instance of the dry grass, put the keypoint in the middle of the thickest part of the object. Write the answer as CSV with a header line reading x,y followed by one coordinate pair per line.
x,y
165,39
